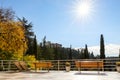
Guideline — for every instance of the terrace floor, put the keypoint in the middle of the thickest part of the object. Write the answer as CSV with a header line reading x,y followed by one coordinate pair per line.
x,y
60,75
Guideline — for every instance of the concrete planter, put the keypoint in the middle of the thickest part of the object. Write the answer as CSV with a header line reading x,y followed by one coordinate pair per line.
x,y
67,68
118,68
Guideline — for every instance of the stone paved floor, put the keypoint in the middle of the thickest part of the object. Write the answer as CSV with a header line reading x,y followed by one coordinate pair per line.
x,y
59,75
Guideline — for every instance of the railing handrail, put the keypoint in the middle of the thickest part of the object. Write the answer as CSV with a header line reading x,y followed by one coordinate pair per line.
x,y
109,63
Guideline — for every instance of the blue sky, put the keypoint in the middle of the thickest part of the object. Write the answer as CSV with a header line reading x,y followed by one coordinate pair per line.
x,y
55,20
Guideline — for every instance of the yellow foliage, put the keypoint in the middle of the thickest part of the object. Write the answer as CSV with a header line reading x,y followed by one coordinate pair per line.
x,y
118,63
12,38
30,59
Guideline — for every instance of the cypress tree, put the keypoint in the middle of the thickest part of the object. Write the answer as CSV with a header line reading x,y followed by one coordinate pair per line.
x,y
82,55
35,47
92,56
86,52
44,42
102,47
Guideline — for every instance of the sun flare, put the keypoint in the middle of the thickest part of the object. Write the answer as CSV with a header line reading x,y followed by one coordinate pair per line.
x,y
83,9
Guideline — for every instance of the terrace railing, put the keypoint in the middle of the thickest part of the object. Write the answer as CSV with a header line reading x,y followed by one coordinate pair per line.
x,y
109,64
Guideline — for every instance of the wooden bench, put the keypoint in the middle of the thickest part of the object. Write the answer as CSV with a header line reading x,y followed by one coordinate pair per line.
x,y
42,65
89,65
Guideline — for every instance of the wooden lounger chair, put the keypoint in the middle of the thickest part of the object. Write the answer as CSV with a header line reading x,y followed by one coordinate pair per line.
x,y
16,63
23,65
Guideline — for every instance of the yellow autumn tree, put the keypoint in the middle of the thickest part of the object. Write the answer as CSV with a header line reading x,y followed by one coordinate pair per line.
x,y
12,39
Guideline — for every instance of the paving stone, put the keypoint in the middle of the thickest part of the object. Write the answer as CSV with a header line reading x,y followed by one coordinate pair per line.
x,y
60,75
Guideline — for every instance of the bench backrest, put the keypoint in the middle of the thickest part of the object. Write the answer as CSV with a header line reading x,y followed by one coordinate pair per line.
x,y
43,64
89,64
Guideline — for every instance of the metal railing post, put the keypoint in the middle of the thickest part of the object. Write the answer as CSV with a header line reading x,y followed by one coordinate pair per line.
x,y
2,64
9,65
58,65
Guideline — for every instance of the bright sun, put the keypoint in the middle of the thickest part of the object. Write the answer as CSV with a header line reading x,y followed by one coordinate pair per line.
x,y
83,9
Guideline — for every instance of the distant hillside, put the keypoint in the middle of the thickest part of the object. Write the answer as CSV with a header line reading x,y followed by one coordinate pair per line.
x,y
110,49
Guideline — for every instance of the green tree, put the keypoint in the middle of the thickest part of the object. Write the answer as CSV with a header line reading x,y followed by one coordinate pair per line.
x,y
86,53
46,51
56,53
35,47
5,55
6,14
44,41
81,54
43,47
39,51
64,53
29,34
92,56
97,56
49,53
102,47
70,52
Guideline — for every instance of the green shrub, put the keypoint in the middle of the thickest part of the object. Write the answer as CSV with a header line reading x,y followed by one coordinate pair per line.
x,y
29,59
67,64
